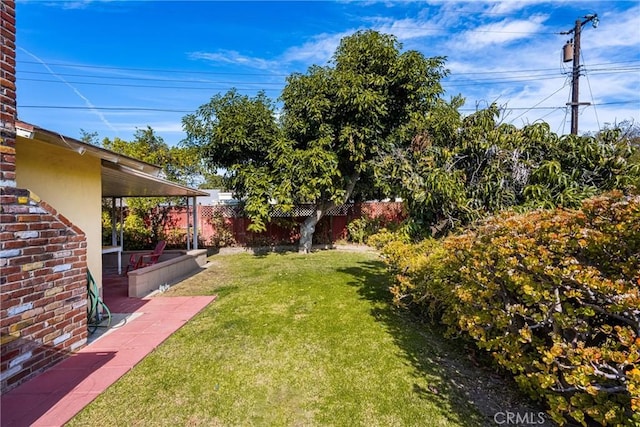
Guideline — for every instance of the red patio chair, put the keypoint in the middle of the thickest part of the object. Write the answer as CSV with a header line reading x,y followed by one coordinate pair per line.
x,y
134,264
145,260
153,257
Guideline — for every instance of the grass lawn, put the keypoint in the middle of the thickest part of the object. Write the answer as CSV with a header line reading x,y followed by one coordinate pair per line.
x,y
293,339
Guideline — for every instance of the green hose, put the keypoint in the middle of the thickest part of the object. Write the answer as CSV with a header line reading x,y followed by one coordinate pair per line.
x,y
94,316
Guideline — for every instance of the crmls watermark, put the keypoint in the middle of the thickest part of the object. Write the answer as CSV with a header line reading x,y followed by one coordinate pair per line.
x,y
519,418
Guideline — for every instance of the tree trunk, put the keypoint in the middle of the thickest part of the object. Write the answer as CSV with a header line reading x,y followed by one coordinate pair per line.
x,y
308,227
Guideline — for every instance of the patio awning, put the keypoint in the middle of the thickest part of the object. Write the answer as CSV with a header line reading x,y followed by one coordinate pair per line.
x,y
122,176
123,181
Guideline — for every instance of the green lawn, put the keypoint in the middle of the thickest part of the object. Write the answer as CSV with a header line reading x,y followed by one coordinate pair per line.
x,y
293,340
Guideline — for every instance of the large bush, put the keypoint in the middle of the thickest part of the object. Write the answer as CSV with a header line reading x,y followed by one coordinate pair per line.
x,y
553,295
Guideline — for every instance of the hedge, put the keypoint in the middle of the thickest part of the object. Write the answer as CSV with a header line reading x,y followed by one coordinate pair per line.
x,y
553,295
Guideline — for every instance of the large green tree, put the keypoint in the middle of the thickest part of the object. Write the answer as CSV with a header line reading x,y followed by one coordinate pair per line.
x,y
458,169
335,122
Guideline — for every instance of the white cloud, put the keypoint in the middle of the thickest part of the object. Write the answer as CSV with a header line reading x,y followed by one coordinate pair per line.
x,y
503,32
616,30
319,50
68,4
506,7
406,29
234,58
167,127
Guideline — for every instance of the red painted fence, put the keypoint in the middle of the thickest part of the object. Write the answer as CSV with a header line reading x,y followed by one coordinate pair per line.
x,y
224,225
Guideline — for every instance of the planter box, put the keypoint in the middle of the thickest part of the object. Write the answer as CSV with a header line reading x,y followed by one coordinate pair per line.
x,y
145,280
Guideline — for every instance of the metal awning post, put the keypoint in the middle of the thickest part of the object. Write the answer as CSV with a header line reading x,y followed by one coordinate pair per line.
x,y
121,224
195,224
188,237
114,234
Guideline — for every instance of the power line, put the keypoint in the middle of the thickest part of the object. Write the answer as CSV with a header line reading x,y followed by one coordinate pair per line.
x,y
176,71
536,105
157,70
541,69
595,110
446,82
81,107
548,71
167,110
139,85
90,76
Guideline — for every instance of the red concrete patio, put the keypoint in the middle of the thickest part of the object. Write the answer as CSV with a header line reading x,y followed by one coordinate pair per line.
x,y
54,397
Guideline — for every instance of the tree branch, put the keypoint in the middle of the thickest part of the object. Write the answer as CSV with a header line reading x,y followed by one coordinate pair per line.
x,y
602,389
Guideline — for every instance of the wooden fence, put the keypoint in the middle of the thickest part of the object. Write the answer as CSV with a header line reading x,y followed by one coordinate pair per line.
x,y
222,225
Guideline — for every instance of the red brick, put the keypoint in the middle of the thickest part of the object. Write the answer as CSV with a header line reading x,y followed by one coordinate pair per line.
x,y
10,162
62,296
38,241
47,207
28,250
38,226
15,227
29,218
5,321
33,297
10,286
7,17
7,218
42,257
17,276
8,199
13,244
6,235
19,377
21,260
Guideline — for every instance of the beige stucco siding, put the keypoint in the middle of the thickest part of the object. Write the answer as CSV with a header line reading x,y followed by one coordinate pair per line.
x,y
69,182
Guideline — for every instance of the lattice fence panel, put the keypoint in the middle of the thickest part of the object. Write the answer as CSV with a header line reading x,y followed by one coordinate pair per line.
x,y
297,211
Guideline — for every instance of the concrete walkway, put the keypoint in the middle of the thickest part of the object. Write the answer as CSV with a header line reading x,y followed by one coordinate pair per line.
x,y
54,397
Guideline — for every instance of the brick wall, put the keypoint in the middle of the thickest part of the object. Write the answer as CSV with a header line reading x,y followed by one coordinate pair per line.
x,y
43,293
7,93
43,257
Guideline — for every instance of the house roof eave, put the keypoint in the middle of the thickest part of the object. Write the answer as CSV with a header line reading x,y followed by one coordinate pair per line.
x,y
121,176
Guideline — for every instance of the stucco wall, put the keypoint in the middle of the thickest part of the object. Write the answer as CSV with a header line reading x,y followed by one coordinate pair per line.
x,y
69,181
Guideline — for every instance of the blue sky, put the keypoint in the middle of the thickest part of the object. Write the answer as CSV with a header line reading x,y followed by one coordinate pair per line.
x,y
113,66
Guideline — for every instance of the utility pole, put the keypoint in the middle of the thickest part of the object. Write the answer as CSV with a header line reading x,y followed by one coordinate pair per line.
x,y
575,78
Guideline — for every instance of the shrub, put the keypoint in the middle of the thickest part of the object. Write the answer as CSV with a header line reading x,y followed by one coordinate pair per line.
x,y
359,229
106,228
222,234
137,234
554,296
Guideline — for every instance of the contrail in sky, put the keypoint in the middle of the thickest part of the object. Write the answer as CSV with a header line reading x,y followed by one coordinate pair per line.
x,y
77,92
